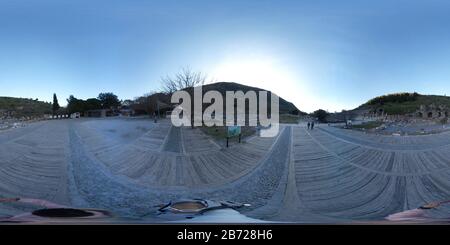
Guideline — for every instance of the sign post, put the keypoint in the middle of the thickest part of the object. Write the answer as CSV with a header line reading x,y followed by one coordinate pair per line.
x,y
233,131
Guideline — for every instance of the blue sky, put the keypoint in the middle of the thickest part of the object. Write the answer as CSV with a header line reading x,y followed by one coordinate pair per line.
x,y
318,54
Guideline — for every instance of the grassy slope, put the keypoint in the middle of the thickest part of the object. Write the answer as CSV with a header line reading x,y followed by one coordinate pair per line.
x,y
220,132
289,119
406,107
24,107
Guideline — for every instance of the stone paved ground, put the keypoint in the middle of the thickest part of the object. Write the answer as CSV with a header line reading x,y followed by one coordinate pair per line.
x,y
323,175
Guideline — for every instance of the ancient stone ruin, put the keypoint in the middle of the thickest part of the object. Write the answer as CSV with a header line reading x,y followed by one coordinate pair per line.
x,y
433,111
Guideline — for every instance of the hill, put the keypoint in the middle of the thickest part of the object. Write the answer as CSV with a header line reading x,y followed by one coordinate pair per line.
x,y
22,107
147,104
402,104
405,103
286,107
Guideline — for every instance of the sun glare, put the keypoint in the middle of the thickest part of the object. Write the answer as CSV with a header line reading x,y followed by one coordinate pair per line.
x,y
263,73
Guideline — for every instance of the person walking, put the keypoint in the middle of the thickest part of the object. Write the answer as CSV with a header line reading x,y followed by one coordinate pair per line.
x,y
309,124
312,125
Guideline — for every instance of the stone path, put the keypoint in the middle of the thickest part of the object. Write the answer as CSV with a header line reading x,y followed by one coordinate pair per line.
x,y
323,175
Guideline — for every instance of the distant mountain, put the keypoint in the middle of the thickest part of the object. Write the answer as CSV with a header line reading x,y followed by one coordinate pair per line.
x,y
20,107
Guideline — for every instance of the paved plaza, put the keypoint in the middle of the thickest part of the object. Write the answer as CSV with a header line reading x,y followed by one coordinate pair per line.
x,y
311,176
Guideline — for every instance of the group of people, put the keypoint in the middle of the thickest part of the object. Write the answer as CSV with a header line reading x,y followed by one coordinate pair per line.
x,y
311,125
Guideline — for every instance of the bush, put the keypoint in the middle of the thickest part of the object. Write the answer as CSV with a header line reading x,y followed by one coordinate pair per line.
x,y
321,115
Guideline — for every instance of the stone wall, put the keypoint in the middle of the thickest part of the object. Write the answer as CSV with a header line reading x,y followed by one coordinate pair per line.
x,y
433,111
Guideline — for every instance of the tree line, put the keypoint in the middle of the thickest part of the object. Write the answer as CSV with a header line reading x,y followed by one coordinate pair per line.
x,y
148,103
103,101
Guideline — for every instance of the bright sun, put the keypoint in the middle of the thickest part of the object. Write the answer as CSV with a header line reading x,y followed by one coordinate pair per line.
x,y
263,73
249,71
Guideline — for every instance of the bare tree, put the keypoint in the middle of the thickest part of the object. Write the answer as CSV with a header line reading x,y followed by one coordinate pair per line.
x,y
186,78
149,101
